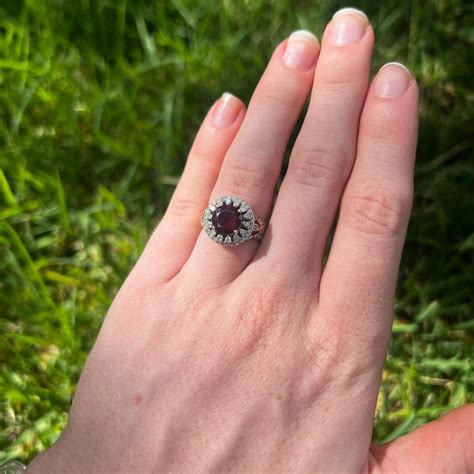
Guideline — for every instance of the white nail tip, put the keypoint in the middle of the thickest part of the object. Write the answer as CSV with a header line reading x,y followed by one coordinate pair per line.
x,y
351,11
400,65
303,34
227,96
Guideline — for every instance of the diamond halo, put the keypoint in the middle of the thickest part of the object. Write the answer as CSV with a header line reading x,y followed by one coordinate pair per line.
x,y
230,221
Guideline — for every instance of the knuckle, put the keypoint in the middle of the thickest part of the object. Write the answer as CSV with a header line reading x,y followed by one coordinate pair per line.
x,y
320,365
323,355
256,318
203,148
245,175
336,80
381,132
333,359
273,95
377,211
338,92
318,166
343,71
387,142
184,206
202,155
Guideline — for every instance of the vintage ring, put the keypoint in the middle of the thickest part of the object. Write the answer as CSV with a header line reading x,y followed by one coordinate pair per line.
x,y
230,221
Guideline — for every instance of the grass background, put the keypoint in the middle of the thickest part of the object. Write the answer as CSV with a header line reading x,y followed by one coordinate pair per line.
x,y
99,102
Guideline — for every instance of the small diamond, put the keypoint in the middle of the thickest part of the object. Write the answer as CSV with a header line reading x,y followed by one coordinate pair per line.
x,y
227,200
207,214
244,207
237,239
243,232
228,240
248,215
237,202
219,202
219,238
246,224
212,207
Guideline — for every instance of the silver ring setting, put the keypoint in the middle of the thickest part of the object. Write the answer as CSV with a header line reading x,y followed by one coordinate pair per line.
x,y
231,221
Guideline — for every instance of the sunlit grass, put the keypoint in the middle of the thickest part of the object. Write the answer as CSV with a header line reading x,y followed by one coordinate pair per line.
x,y
99,102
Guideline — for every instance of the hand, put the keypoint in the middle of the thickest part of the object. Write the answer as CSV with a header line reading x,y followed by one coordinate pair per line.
x,y
258,358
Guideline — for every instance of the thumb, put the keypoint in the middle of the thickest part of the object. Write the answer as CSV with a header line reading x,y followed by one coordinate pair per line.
x,y
442,446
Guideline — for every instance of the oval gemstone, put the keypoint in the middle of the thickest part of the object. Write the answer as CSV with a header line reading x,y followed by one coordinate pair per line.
x,y
226,219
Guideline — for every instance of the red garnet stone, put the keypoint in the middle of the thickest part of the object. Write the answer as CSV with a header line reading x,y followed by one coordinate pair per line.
x,y
226,219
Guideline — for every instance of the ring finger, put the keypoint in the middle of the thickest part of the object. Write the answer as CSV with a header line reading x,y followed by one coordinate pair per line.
x,y
253,162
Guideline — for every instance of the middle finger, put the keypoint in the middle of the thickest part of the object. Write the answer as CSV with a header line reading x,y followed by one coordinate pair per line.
x,y
324,151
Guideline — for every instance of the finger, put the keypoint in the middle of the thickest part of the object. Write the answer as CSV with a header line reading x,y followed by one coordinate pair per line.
x,y
442,446
325,148
358,283
173,240
253,163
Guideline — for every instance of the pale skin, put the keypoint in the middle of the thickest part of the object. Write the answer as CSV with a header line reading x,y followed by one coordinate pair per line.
x,y
259,358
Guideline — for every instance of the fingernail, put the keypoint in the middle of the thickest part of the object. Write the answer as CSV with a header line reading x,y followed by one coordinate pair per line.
x,y
348,26
392,80
227,110
301,50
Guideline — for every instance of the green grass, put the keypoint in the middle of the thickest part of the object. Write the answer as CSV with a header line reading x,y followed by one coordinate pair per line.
x,y
99,102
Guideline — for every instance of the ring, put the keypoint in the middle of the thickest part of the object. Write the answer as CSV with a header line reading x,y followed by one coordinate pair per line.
x,y
230,221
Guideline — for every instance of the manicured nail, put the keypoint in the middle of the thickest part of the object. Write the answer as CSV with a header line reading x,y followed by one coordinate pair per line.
x,y
227,110
301,50
348,26
392,80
